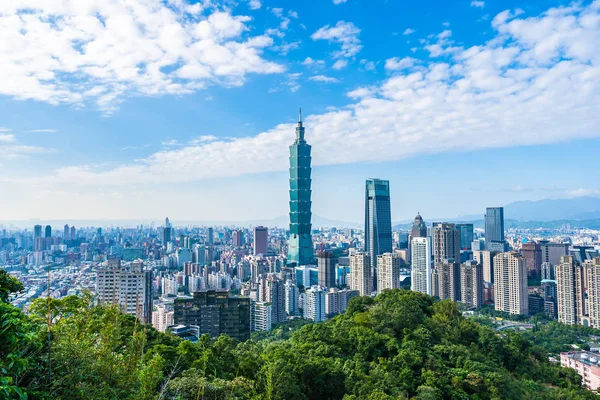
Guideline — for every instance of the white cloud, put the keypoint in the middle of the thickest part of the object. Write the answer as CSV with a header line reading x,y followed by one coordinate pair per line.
x,y
105,50
537,80
344,33
408,31
368,65
583,192
277,11
41,131
285,47
11,148
323,78
478,4
204,139
397,63
339,1
312,62
340,64
254,4
7,138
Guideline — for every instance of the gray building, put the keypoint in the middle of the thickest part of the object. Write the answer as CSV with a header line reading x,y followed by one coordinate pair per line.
x,y
494,225
326,265
378,221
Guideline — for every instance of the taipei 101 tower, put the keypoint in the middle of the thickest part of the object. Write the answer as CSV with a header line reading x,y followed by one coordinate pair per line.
x,y
300,246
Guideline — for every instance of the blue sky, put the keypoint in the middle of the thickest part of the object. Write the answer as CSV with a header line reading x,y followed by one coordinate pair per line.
x,y
150,108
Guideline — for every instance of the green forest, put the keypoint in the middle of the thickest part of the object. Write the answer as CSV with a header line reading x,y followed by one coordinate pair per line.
x,y
399,345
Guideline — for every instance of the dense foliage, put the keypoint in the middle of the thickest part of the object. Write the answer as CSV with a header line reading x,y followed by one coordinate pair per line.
x,y
399,345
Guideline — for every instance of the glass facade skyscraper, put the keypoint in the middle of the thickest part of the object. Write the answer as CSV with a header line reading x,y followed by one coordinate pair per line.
x,y
300,246
494,225
378,221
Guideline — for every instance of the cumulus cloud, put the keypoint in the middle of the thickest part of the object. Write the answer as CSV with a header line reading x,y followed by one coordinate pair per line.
x,y
254,4
323,78
340,64
408,31
397,63
104,50
537,80
478,4
309,61
343,33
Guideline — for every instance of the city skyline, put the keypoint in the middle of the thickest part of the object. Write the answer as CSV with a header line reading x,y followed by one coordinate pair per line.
x,y
380,97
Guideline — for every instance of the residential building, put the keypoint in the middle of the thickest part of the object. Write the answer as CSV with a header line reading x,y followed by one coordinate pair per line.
x,y
592,274
261,315
445,279
421,265
446,242
510,283
314,308
471,286
532,254
360,273
388,266
271,290
586,365
486,259
292,295
570,290
162,316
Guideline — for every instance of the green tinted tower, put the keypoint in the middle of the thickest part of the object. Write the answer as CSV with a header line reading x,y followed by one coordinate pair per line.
x,y
300,246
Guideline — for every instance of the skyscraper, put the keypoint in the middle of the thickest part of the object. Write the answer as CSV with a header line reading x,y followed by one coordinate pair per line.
x,y
48,231
300,246
292,293
378,221
510,283
471,284
211,236
419,229
494,225
532,253
421,265
592,272
466,235
326,267
67,233
570,291
37,231
261,240
446,243
314,308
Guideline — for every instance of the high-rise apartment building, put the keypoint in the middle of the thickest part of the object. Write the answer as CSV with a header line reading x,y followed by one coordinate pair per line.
x,y
494,225
570,288
314,307
378,221
421,265
510,283
127,285
73,233
471,275
446,243
261,316
326,265
215,313
360,274
300,246
592,273
532,254
162,317
238,238
292,294
66,233
466,235
445,280
261,240
486,259
388,267
271,290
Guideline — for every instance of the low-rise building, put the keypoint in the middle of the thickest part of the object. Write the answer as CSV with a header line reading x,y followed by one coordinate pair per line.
x,y
586,365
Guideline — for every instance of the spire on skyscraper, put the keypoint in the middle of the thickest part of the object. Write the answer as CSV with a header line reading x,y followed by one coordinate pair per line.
x,y
300,116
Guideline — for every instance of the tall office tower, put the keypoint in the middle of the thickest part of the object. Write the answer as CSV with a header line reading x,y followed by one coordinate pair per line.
x,y
445,280
127,285
37,231
510,283
486,259
48,231
466,236
67,233
300,245
420,273
378,221
271,290
215,313
314,308
261,240
532,253
238,238
167,234
494,225
570,289
388,268
553,252
210,236
292,294
446,243
471,275
360,274
261,314
547,271
592,273
419,229
326,265
73,233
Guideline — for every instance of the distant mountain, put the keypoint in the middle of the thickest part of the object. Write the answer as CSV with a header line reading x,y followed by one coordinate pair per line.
x,y
554,209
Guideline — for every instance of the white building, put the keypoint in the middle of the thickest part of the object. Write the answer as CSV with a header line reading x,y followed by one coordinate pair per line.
x,y
162,317
261,313
292,295
360,274
510,283
421,265
388,271
314,308
336,301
